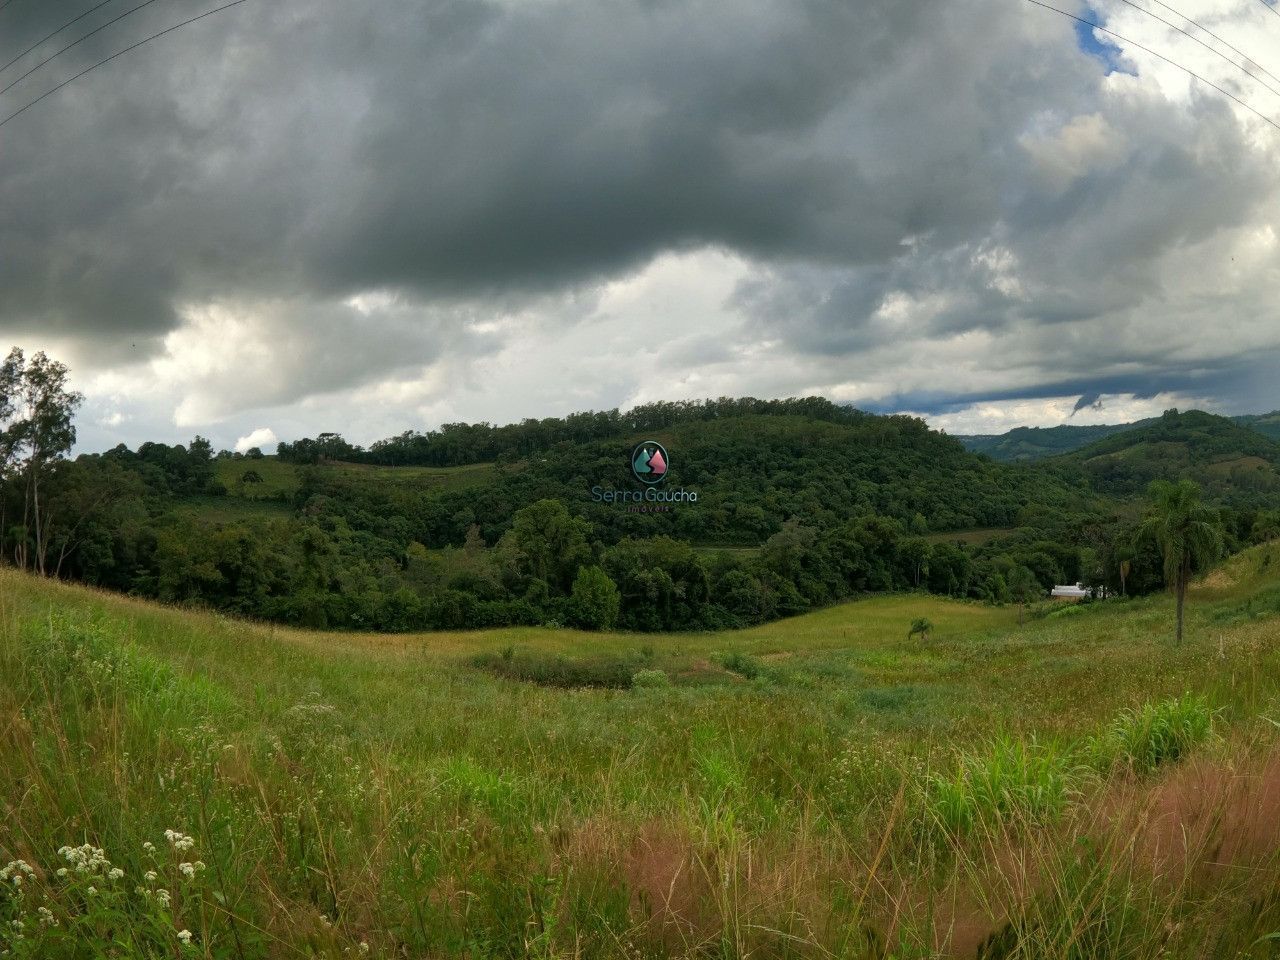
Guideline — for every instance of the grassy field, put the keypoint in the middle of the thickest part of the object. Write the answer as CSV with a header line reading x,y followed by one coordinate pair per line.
x,y
820,787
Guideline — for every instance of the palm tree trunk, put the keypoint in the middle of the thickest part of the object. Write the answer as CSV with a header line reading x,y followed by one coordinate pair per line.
x,y
1183,575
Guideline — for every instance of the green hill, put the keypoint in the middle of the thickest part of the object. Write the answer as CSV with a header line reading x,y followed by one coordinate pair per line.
x,y
1232,462
799,504
1028,444
1267,424
180,783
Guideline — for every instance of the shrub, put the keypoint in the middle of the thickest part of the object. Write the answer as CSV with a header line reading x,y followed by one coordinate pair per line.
x,y
743,664
650,679
1154,734
1012,779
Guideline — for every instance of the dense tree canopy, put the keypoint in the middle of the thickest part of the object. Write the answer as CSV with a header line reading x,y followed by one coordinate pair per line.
x,y
800,503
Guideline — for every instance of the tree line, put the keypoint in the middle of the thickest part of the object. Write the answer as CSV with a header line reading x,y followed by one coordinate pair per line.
x,y
461,444
822,506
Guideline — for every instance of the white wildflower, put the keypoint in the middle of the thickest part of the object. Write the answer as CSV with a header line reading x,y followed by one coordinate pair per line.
x,y
150,876
180,841
115,873
185,936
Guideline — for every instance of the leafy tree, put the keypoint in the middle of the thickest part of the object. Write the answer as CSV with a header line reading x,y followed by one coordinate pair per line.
x,y
913,553
39,408
594,601
1187,533
545,544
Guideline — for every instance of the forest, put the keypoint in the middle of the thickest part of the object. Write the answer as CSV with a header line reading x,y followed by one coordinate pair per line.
x,y
801,503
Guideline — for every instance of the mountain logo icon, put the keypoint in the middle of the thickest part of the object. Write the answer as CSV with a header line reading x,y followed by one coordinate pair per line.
x,y
650,463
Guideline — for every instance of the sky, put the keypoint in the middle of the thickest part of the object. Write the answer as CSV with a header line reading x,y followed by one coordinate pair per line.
x,y
307,215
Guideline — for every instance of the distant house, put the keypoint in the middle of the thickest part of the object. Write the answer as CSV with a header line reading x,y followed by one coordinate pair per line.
x,y
1075,591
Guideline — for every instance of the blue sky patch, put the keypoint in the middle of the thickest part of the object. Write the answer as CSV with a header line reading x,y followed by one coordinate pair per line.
x,y
1100,46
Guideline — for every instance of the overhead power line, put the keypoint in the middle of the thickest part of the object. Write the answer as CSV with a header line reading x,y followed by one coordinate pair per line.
x,y
1191,36
1202,27
5,4
61,51
1172,63
128,49
1270,7
52,35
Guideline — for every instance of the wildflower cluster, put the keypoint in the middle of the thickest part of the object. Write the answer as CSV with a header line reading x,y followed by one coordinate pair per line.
x,y
180,841
86,859
40,910
16,872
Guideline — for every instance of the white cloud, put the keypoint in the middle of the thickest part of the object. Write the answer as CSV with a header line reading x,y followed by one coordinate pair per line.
x,y
264,438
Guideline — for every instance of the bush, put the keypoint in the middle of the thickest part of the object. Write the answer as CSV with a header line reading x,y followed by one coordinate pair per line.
x,y
743,664
650,679
1010,780
1154,734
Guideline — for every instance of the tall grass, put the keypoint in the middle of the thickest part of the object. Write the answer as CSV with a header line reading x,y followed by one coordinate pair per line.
x,y
297,797
1155,734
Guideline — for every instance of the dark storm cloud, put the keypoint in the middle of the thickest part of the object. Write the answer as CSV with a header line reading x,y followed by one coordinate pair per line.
x,y
1249,383
1089,401
892,174
437,148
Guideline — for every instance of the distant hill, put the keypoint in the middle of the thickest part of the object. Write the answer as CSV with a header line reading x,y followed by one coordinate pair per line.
x,y
1267,424
1026,444
1233,462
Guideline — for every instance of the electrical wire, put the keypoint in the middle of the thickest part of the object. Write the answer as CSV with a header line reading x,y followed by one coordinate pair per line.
x,y
1172,63
1270,7
210,13
1191,36
52,35
1200,26
60,52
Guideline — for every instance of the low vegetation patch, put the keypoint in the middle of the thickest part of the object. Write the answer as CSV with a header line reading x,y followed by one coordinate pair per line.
x,y
1153,735
650,678
1010,781
743,664
551,670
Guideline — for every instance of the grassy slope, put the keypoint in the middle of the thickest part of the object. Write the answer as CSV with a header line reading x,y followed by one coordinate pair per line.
x,y
419,803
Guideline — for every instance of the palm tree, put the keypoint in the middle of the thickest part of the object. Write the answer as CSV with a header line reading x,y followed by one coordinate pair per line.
x,y
1187,533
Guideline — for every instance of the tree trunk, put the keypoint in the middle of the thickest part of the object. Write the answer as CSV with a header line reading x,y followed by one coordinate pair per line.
x,y
35,496
1183,576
